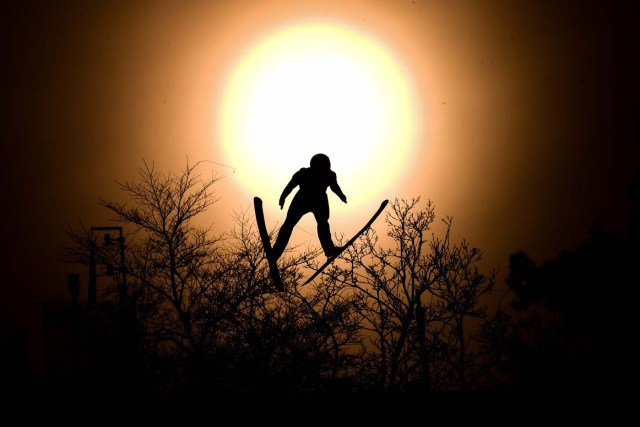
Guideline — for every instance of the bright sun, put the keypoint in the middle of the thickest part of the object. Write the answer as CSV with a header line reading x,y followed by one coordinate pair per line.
x,y
319,88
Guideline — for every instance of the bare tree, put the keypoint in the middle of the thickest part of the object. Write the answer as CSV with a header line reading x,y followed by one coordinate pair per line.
x,y
169,259
415,299
457,292
299,340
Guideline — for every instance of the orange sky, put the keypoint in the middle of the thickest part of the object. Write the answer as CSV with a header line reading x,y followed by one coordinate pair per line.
x,y
528,113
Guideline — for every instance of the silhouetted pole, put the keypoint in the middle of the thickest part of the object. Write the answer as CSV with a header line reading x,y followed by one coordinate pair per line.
x,y
123,271
91,291
126,329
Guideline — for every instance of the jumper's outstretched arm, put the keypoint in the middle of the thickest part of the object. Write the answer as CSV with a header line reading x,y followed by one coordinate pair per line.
x,y
287,190
336,189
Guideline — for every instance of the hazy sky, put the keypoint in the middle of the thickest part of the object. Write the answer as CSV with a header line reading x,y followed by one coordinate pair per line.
x,y
528,115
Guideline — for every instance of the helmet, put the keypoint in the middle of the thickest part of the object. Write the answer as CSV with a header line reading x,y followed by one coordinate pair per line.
x,y
320,161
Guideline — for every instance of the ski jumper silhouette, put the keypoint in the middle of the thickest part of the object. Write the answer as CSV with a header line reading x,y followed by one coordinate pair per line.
x,y
311,197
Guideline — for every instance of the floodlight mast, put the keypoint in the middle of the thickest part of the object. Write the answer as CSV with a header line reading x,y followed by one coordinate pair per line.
x,y
122,286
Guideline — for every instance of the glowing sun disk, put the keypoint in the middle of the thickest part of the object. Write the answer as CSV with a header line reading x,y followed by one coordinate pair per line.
x,y
317,88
